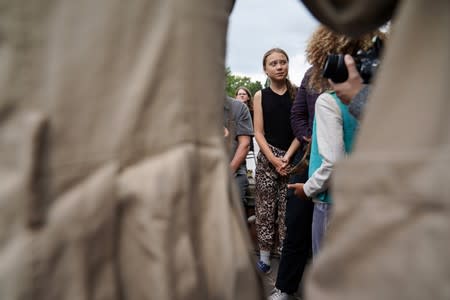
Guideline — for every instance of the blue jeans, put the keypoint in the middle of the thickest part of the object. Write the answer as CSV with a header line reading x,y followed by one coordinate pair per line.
x,y
321,216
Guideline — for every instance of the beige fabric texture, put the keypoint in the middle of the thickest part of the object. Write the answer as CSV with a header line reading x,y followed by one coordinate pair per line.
x,y
390,234
114,178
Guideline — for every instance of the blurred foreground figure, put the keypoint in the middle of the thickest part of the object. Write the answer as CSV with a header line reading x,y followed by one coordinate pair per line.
x,y
113,183
391,233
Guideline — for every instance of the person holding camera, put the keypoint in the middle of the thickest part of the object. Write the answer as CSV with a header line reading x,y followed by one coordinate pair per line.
x,y
333,128
350,77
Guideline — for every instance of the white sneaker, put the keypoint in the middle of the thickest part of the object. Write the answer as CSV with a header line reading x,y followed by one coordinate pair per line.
x,y
279,295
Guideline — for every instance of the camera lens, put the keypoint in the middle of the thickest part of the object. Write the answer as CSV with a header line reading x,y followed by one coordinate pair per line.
x,y
335,68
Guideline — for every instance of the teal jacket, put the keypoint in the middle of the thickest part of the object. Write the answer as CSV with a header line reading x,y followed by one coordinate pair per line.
x,y
350,125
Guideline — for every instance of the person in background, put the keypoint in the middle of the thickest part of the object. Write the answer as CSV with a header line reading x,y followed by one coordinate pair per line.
x,y
244,95
296,252
238,133
273,133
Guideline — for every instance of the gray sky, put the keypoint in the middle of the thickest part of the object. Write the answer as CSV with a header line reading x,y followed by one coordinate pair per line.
x,y
258,25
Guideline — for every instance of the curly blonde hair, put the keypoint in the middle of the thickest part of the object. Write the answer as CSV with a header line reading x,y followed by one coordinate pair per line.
x,y
324,41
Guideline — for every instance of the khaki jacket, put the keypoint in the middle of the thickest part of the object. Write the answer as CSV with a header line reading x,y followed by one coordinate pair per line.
x,y
114,179
390,235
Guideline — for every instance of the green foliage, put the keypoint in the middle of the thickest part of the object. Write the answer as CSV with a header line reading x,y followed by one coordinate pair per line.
x,y
234,81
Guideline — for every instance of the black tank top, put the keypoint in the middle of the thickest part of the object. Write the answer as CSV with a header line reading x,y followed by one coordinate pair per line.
x,y
277,118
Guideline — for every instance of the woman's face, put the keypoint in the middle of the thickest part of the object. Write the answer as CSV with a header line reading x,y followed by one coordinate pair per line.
x,y
277,66
242,96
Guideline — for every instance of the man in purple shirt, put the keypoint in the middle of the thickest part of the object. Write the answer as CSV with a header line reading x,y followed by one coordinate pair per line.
x,y
297,244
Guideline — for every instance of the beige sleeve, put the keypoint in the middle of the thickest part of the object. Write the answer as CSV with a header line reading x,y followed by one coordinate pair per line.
x,y
114,179
389,235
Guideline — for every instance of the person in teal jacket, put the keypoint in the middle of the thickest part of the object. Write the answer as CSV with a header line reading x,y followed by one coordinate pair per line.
x,y
333,130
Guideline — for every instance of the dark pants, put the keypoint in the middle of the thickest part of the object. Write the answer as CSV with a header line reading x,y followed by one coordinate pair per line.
x,y
297,251
242,182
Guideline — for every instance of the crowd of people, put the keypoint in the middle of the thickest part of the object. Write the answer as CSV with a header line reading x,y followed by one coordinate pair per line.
x,y
313,125
114,181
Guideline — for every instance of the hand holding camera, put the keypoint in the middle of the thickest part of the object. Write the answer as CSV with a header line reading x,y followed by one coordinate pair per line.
x,y
366,63
348,89
347,75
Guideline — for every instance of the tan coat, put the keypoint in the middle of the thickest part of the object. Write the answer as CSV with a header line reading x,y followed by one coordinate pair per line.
x,y
390,235
114,181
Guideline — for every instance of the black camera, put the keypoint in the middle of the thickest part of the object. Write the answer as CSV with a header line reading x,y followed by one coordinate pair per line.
x,y
366,63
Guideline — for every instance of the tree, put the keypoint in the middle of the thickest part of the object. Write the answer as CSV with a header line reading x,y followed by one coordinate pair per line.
x,y
234,81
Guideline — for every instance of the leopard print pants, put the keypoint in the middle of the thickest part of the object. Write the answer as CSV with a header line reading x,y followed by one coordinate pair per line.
x,y
270,202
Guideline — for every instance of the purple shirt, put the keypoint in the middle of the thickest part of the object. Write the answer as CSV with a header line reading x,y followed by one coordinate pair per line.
x,y
302,112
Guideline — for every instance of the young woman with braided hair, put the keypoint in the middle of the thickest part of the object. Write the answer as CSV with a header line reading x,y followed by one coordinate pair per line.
x,y
273,133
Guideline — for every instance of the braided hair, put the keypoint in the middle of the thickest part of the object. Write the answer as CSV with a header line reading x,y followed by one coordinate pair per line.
x,y
291,88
